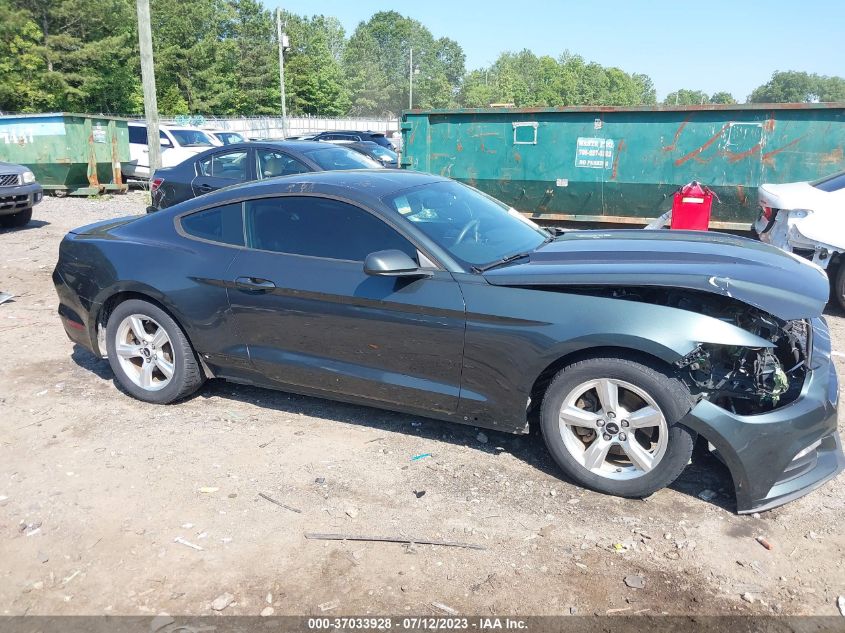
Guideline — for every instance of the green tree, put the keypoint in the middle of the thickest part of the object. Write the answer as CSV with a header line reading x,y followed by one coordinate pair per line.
x,y
314,79
376,63
73,57
723,98
686,97
799,87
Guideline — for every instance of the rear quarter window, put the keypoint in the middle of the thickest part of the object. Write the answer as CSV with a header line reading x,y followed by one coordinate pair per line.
x,y
221,224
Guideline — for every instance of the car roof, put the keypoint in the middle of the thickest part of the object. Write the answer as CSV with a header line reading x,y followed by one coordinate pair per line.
x,y
366,183
353,132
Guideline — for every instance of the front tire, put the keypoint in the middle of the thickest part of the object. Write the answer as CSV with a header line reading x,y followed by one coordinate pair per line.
x,y
149,354
611,424
16,220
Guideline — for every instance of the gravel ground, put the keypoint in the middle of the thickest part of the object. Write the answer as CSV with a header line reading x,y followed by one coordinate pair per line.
x,y
96,488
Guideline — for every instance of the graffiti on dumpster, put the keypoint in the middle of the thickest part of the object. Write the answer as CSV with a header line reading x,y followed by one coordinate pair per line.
x,y
594,152
25,133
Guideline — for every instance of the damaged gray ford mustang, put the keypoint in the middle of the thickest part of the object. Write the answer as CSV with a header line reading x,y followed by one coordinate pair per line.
x,y
416,293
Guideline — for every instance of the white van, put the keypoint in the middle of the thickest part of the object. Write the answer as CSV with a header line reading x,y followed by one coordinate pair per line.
x,y
177,144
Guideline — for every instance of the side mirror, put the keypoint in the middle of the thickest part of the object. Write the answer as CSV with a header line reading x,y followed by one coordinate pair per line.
x,y
165,142
392,263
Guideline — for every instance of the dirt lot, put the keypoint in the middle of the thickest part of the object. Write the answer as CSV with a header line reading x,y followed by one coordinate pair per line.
x,y
95,487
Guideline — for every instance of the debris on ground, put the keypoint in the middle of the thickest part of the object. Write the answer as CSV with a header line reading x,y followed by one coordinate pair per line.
x,y
707,494
389,539
420,456
748,597
222,601
351,511
635,582
267,611
328,606
481,437
840,604
444,608
419,493
5,296
182,541
208,489
762,540
279,503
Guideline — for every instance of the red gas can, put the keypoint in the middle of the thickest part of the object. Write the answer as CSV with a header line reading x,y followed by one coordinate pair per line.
x,y
691,207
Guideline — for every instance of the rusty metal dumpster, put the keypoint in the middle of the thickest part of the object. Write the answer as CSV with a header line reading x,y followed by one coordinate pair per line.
x,y
622,165
76,154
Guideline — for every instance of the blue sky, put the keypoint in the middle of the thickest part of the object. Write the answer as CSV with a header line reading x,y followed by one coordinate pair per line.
x,y
710,45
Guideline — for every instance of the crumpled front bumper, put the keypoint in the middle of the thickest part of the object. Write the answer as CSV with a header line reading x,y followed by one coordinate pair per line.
x,y
764,452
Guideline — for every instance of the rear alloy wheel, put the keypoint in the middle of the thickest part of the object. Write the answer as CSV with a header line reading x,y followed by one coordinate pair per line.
x,y
149,354
15,220
611,425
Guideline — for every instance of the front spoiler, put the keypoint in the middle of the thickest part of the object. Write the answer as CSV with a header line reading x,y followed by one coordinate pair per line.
x,y
760,450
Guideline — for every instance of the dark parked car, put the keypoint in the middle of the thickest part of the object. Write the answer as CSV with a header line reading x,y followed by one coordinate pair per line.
x,y
355,135
19,192
241,162
413,292
386,157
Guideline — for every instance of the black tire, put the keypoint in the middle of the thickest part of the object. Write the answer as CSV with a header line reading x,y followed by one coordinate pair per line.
x,y
16,220
839,284
671,396
187,374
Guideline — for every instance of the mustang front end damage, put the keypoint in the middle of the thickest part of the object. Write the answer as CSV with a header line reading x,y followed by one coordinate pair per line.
x,y
750,380
769,412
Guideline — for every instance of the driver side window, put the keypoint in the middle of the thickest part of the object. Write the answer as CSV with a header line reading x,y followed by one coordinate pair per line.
x,y
319,227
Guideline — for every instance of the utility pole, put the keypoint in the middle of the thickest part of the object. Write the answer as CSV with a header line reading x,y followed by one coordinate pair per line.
x,y
411,80
148,79
282,45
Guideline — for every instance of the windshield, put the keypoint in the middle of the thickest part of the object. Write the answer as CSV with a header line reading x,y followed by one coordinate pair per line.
x,y
333,157
191,138
474,228
227,138
831,183
383,152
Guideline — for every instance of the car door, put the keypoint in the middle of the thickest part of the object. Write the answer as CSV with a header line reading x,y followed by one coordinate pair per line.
x,y
222,169
312,319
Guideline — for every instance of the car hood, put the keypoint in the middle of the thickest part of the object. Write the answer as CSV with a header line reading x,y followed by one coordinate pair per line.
x,y
760,275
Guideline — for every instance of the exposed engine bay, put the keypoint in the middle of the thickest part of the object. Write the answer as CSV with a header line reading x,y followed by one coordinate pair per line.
x,y
744,380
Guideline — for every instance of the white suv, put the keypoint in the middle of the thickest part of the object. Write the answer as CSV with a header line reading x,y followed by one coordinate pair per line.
x,y
177,144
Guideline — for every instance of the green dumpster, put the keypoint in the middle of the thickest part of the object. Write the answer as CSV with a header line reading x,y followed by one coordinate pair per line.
x,y
613,164
76,154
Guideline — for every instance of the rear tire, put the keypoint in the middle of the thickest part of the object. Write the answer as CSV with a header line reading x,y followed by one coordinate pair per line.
x,y
15,220
631,448
149,354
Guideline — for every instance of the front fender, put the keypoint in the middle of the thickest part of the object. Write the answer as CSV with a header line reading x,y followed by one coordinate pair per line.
x,y
514,334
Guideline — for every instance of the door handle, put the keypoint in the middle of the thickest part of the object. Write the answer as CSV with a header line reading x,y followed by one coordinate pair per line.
x,y
205,188
254,284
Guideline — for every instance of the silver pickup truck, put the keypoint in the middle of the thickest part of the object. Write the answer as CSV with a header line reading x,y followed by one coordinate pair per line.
x,y
19,192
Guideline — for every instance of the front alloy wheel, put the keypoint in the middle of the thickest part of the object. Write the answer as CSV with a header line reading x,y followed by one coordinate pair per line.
x,y
612,425
613,429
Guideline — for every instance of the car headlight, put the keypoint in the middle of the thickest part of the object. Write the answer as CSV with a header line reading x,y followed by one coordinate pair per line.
x,y
28,177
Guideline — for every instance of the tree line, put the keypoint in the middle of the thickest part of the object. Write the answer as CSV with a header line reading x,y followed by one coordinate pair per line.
x,y
221,57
